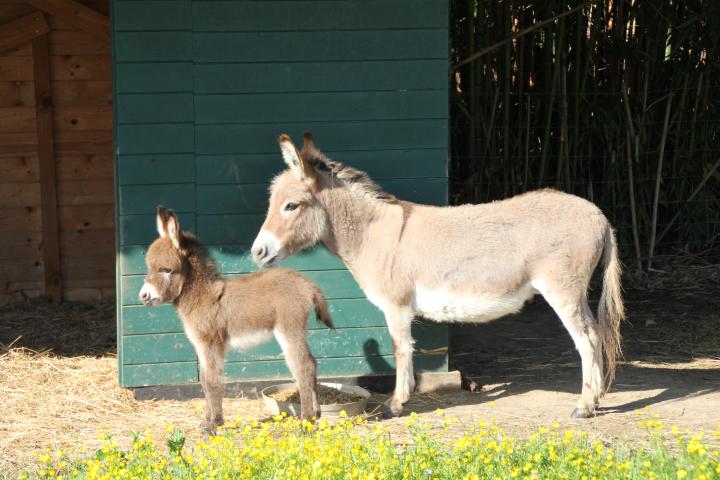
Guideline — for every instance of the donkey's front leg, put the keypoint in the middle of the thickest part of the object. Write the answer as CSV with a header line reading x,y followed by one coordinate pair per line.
x,y
211,361
399,320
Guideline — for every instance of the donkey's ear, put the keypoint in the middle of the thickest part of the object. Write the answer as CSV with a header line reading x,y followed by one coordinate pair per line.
x,y
173,229
309,143
295,161
161,221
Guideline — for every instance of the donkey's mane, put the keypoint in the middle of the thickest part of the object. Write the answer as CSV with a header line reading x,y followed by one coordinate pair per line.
x,y
355,180
198,250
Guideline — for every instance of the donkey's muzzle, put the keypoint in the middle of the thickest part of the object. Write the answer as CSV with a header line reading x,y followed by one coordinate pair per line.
x,y
266,250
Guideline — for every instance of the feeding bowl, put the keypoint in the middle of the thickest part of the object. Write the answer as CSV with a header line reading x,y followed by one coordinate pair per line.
x,y
356,407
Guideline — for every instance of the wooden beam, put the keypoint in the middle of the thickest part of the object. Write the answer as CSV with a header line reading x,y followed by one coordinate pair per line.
x,y
77,15
46,169
24,29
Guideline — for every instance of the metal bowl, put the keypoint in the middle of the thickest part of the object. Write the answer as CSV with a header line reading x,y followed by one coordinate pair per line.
x,y
329,410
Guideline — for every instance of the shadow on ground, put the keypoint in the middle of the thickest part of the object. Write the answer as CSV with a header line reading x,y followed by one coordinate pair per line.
x,y
67,329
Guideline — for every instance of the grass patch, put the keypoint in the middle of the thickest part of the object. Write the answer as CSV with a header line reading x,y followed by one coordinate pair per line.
x,y
287,448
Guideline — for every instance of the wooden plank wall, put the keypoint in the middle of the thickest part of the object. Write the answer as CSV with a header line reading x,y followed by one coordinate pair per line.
x,y
202,91
81,88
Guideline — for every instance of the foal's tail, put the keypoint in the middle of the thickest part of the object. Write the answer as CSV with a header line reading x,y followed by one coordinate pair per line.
x,y
321,308
611,310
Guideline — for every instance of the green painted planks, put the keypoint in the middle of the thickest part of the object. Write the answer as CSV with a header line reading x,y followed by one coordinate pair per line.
x,y
307,46
139,319
186,372
224,229
154,108
389,164
144,199
429,191
285,15
379,164
367,77
318,107
373,135
333,283
159,348
153,15
239,168
175,347
348,342
236,259
360,75
153,46
155,169
159,374
355,312
232,198
141,229
153,77
158,138
331,367
324,343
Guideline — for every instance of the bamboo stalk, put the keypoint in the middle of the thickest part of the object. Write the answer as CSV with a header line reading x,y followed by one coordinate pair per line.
x,y
631,193
522,32
548,122
658,180
697,189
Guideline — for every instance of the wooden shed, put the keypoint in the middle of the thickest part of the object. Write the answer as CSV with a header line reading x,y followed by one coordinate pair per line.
x,y
56,161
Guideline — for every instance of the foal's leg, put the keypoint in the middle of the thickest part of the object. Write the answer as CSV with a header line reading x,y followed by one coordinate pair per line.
x,y
399,320
211,359
304,368
572,309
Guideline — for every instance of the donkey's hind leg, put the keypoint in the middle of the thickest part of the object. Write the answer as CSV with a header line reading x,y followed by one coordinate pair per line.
x,y
575,315
303,367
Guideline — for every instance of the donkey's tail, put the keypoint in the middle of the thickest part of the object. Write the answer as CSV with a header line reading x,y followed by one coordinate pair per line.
x,y
321,309
611,310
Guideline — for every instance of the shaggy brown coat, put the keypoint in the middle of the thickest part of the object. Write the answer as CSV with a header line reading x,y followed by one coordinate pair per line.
x,y
220,314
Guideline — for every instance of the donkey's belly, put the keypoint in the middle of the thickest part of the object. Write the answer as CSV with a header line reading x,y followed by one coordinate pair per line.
x,y
446,305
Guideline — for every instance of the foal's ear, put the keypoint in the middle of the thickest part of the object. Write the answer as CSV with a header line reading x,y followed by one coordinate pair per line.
x,y
173,229
161,221
168,225
295,161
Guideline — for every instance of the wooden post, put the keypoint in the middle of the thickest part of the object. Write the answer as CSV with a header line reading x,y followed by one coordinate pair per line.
x,y
19,32
46,160
77,15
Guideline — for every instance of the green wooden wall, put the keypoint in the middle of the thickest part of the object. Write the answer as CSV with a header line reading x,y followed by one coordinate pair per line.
x,y
203,88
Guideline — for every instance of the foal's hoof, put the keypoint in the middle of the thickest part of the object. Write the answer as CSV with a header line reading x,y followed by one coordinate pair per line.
x,y
581,413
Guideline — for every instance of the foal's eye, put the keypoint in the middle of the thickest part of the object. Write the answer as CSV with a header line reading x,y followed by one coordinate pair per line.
x,y
289,207
165,270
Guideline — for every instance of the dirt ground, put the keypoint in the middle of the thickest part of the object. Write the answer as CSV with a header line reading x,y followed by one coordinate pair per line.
x,y
524,368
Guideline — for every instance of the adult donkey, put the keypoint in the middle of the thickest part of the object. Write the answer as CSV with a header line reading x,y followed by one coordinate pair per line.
x,y
469,263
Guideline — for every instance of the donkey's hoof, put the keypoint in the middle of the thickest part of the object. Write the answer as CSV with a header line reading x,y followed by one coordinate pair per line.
x,y
581,413
388,411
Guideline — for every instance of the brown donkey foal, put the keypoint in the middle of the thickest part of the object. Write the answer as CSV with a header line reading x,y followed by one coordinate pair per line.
x,y
220,314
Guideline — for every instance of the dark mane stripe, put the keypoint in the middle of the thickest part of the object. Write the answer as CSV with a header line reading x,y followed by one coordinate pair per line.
x,y
348,176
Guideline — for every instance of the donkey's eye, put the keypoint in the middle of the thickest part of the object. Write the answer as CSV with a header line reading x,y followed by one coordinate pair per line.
x,y
289,207
165,270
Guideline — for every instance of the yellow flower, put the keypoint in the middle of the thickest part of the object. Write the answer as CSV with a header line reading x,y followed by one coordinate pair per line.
x,y
682,473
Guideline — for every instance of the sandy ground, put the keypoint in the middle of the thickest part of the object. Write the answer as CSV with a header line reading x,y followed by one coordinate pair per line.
x,y
524,368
